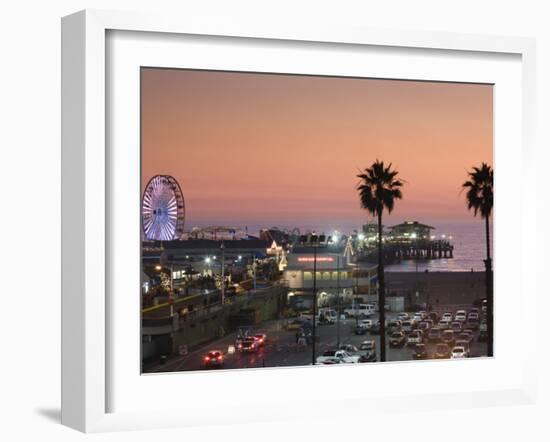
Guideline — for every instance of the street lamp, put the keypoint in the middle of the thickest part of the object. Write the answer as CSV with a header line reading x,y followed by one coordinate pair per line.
x,y
315,241
222,247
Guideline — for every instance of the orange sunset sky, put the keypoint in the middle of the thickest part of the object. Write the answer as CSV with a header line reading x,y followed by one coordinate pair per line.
x,y
271,149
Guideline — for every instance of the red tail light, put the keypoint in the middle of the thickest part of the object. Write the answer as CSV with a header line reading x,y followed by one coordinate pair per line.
x,y
206,358
219,358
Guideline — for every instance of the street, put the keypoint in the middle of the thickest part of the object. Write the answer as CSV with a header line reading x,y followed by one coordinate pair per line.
x,y
281,349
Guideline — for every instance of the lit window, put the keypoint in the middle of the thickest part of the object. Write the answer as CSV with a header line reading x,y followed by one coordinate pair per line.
x,y
308,276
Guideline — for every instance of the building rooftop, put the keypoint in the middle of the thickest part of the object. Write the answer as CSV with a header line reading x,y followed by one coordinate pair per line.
x,y
411,224
237,244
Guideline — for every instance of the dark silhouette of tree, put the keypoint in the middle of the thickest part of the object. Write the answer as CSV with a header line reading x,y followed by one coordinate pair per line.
x,y
378,190
479,197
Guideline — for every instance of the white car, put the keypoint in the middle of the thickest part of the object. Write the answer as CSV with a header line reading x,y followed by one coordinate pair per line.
x,y
416,337
342,355
458,353
403,316
407,326
365,323
447,317
465,345
460,317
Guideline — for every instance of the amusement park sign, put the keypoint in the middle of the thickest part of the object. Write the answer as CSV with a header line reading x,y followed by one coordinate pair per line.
x,y
317,259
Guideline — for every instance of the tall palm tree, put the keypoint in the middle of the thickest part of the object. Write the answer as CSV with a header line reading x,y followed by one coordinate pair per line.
x,y
479,197
378,190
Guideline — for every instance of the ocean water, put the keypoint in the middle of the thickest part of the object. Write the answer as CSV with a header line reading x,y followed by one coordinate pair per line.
x,y
469,249
468,238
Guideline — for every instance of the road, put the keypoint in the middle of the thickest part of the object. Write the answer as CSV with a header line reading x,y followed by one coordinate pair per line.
x,y
281,349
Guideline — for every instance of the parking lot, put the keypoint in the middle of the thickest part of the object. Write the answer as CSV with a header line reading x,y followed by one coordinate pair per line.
x,y
282,349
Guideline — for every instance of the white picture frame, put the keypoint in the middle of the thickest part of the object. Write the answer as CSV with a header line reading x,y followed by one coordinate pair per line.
x,y
89,174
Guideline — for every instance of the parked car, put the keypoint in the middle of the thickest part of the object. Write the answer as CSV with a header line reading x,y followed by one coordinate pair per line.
x,y
342,355
360,310
349,348
363,326
444,324
472,324
434,335
447,316
423,326
473,315
367,351
465,345
460,315
420,352
458,353
330,361
442,351
213,359
456,327
448,337
415,337
397,339
433,316
403,316
407,326
466,335
393,326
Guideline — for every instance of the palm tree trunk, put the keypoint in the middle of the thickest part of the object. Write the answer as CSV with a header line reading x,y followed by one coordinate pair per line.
x,y
489,289
381,293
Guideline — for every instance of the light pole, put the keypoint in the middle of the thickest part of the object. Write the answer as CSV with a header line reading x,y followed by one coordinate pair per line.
x,y
222,247
338,301
253,269
314,303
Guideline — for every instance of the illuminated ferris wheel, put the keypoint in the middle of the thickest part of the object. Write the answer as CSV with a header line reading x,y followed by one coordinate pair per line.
x,y
163,209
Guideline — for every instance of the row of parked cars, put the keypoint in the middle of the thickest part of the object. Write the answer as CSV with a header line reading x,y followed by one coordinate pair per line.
x,y
452,333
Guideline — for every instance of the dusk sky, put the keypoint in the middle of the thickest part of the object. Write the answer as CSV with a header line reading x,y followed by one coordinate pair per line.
x,y
265,150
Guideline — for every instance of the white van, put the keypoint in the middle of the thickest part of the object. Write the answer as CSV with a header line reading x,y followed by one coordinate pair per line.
x,y
360,310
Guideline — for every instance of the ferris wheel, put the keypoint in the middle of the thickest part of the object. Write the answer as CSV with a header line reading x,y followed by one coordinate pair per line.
x,y
163,209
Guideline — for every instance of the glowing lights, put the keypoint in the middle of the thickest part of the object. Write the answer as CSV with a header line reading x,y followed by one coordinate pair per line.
x,y
207,260
361,237
318,259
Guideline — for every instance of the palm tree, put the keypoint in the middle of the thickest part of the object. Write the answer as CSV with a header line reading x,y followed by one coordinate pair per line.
x,y
480,198
378,190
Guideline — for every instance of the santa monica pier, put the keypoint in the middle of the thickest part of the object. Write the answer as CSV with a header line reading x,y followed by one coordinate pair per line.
x,y
208,289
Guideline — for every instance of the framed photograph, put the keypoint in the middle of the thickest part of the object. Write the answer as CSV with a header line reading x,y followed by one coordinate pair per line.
x,y
270,210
